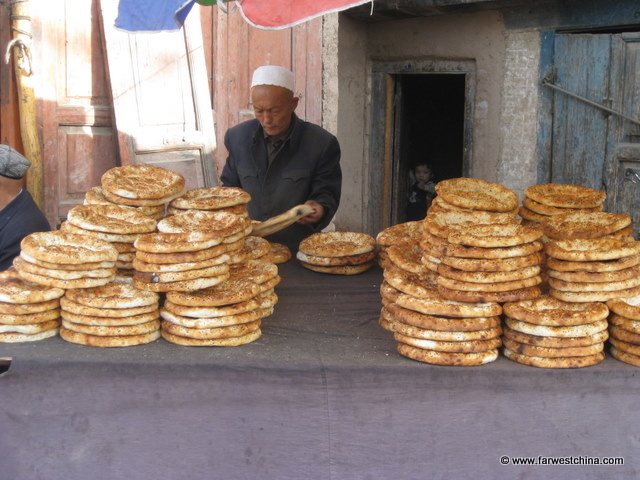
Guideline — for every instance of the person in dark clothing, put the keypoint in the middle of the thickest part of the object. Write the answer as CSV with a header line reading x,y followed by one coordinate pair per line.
x,y
283,161
19,215
421,193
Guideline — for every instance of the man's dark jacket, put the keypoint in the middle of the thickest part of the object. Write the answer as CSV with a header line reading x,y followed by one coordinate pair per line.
x,y
306,168
17,220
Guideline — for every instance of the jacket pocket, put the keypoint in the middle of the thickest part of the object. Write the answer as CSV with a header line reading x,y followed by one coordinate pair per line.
x,y
295,175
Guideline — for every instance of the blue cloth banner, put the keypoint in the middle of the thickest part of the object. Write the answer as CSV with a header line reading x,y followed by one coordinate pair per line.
x,y
152,15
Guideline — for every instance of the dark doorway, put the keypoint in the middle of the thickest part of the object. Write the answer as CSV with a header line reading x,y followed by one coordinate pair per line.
x,y
429,124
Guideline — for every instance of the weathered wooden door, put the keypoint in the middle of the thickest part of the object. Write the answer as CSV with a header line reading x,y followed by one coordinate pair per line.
x,y
591,146
161,97
236,49
78,141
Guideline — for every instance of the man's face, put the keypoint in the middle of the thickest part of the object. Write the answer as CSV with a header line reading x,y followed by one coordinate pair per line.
x,y
273,107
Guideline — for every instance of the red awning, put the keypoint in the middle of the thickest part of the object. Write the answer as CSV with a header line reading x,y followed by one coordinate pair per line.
x,y
278,14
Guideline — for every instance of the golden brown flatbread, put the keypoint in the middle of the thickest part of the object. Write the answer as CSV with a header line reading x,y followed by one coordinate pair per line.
x,y
400,233
232,291
111,219
113,341
626,307
339,269
495,236
396,313
464,251
465,346
581,225
477,194
61,247
15,337
447,358
212,322
278,253
560,362
449,308
593,266
142,182
211,198
596,249
212,342
230,331
584,330
113,295
555,342
625,357
526,293
493,265
113,330
337,244
550,311
202,225
565,196
488,277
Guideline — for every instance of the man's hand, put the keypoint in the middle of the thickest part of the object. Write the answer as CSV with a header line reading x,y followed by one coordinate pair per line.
x,y
315,216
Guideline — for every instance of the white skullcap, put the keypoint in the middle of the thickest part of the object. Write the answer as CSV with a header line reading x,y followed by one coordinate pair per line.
x,y
273,75
12,164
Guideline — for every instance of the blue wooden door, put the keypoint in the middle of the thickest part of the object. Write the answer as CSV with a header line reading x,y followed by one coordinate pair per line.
x,y
591,146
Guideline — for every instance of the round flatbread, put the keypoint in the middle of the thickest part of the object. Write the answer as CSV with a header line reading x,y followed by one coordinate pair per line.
x,y
183,275
202,225
67,227
580,225
233,291
597,249
467,346
175,242
231,331
66,284
212,311
532,216
336,261
488,287
592,266
493,265
449,308
96,320
594,286
400,233
625,357
211,198
526,293
447,358
550,352
337,244
625,323
13,337
256,271
550,311
492,236
69,305
564,331
142,182
488,277
407,256
30,328
396,313
141,266
113,295
388,292
256,247
22,265
113,330
595,277
626,307
66,266
340,269
555,342
419,286
442,224
619,333
464,251
94,196
61,247
566,362
565,196
28,308
477,194
212,322
549,210
102,341
111,219
29,318
278,253
212,342
15,290
632,348
602,296
179,286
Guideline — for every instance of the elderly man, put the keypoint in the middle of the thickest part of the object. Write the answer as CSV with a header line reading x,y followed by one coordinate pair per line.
x,y
281,160
19,215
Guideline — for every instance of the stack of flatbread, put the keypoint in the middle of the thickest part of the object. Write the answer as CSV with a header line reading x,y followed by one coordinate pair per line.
x,y
141,185
66,260
593,270
28,312
491,263
114,315
225,199
191,251
550,199
473,194
431,329
116,224
408,232
94,196
624,329
228,314
340,253
549,333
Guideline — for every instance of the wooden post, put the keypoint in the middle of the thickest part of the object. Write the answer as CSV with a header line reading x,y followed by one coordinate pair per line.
x,y
20,46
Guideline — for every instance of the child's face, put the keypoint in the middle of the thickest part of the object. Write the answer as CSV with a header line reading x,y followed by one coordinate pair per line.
x,y
422,173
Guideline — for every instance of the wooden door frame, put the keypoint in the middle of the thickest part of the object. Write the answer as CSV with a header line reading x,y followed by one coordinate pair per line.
x,y
383,76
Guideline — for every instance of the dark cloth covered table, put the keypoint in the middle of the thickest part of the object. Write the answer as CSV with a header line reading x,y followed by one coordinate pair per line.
x,y
322,395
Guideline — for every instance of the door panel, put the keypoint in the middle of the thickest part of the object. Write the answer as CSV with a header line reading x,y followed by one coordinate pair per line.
x,y
160,95
78,141
582,64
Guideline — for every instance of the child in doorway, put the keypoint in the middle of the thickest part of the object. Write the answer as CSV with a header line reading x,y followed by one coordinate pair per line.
x,y
421,192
